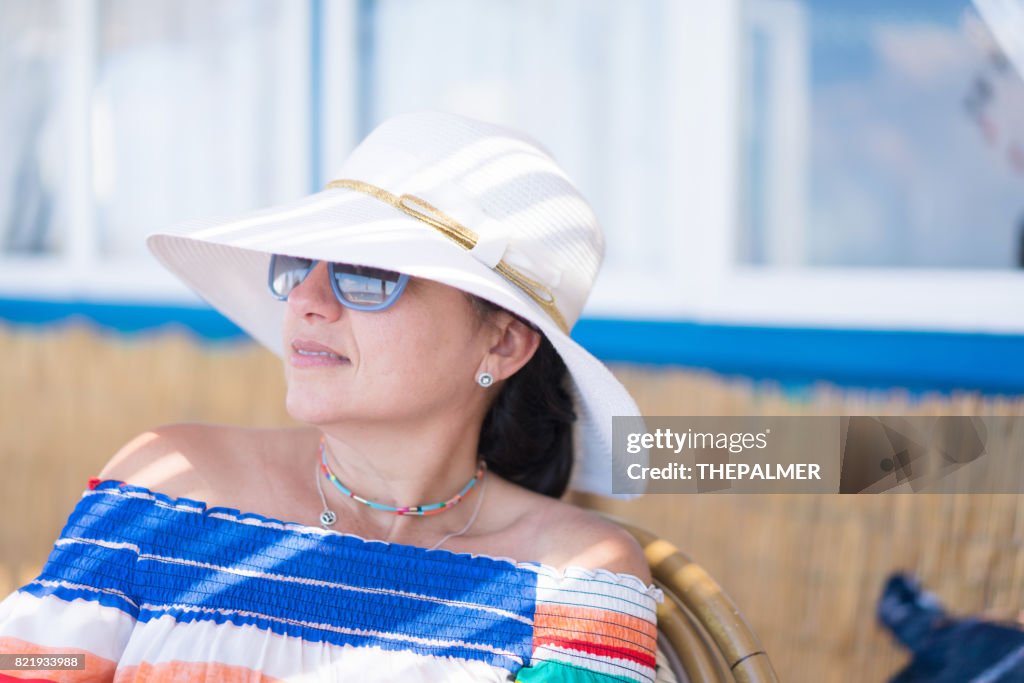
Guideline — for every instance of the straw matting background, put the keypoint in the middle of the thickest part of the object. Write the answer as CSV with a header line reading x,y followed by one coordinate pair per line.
x,y
805,570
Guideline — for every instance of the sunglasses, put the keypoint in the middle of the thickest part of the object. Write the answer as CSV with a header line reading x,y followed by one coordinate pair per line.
x,y
358,287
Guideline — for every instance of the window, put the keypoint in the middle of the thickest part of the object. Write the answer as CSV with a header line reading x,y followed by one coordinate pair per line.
x,y
30,66
753,162
880,135
129,117
788,230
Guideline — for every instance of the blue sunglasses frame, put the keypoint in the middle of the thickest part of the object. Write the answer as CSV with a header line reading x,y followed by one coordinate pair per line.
x,y
403,280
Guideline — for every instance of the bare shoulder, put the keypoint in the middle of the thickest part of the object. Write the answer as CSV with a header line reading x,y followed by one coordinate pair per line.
x,y
185,459
577,537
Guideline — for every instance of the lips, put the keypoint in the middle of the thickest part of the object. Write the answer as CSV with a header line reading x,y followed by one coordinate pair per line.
x,y
306,345
306,351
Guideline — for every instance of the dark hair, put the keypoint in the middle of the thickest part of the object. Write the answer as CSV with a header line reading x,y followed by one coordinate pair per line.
x,y
526,436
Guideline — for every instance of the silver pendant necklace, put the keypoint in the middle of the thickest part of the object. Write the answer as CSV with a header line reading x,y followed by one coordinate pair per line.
x,y
328,517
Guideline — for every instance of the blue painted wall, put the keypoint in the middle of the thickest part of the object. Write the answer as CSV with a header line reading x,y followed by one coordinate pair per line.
x,y
918,361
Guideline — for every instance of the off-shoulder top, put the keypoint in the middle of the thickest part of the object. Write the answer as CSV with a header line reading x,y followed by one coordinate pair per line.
x,y
155,588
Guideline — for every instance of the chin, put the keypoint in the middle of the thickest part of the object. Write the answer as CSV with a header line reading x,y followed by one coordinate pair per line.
x,y
310,409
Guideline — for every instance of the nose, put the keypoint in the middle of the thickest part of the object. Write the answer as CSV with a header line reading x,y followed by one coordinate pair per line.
x,y
314,298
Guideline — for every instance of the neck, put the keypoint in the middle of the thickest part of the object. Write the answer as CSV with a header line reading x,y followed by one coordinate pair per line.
x,y
395,469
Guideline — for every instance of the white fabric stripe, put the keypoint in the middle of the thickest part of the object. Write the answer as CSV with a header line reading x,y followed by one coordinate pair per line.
x,y
251,573
165,640
79,586
555,577
397,637
52,622
590,592
144,496
113,545
594,662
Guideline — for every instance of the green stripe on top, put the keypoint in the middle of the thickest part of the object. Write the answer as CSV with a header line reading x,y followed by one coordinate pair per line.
x,y
549,671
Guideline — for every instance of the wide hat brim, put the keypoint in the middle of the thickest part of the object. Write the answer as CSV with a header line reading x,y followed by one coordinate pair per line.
x,y
226,262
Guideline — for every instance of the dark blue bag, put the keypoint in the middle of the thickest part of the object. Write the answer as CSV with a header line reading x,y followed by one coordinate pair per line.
x,y
947,649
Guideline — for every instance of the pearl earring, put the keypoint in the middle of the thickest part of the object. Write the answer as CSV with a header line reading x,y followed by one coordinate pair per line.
x,y
485,379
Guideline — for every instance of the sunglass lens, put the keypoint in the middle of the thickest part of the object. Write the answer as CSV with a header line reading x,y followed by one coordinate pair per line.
x,y
287,272
365,286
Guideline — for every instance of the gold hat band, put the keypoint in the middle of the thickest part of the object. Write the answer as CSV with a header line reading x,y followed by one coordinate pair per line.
x,y
461,235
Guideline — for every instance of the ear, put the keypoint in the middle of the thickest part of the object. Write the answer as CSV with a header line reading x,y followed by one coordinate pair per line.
x,y
515,345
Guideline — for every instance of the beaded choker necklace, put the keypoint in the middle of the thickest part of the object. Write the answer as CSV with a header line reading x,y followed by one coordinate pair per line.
x,y
431,509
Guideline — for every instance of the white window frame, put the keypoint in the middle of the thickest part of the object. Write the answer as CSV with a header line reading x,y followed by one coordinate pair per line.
x,y
339,42
709,285
79,272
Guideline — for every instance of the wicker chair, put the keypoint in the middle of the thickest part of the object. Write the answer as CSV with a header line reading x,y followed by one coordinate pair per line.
x,y
701,634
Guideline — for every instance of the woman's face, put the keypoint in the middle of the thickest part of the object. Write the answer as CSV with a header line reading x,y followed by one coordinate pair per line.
x,y
416,360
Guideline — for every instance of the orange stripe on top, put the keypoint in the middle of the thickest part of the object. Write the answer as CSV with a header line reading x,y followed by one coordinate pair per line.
x,y
595,631
96,668
177,671
601,624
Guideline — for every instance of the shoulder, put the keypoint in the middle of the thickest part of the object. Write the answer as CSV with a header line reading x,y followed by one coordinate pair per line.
x,y
577,537
182,459
594,614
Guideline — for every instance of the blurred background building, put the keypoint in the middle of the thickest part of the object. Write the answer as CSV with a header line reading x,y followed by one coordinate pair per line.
x,y
810,206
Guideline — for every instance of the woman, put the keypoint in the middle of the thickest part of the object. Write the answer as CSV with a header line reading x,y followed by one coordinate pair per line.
x,y
412,531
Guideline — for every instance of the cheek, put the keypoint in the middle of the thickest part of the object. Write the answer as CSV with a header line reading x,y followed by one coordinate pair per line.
x,y
426,355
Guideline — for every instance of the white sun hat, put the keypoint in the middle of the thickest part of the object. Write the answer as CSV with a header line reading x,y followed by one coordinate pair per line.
x,y
470,204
